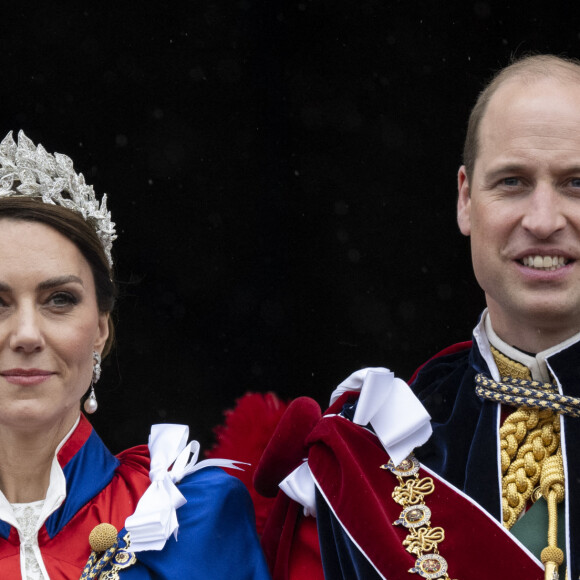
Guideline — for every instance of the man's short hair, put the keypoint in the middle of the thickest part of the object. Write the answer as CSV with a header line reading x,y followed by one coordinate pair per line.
x,y
528,68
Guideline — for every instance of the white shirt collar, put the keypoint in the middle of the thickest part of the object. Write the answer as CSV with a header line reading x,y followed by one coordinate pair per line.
x,y
537,364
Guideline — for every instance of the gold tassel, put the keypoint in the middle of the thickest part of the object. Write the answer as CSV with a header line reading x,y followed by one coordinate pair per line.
x,y
552,486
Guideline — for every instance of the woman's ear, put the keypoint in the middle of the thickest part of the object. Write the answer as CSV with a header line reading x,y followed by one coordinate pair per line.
x,y
102,332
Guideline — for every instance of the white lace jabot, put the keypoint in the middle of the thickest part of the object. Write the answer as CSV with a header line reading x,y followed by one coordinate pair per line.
x,y
27,516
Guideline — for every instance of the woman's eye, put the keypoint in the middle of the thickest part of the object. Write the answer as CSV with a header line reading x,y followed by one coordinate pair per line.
x,y
62,299
575,182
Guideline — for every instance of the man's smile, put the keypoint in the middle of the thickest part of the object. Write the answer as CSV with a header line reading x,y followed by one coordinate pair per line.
x,y
540,262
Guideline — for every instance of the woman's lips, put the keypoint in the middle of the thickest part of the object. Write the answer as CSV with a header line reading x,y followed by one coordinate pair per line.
x,y
26,376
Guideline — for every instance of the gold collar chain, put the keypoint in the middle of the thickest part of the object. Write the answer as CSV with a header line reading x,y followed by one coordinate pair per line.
x,y
422,540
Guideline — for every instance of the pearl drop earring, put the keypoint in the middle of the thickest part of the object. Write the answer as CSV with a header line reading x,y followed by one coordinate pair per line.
x,y
91,404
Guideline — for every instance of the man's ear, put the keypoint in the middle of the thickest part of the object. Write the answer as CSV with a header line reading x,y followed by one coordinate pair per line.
x,y
463,202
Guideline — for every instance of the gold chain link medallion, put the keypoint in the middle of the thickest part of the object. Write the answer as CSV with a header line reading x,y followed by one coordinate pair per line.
x,y
122,559
422,540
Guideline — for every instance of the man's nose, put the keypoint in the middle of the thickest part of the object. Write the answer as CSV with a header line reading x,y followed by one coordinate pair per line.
x,y
544,213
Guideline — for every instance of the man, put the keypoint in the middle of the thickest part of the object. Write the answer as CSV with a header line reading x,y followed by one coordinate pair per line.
x,y
499,452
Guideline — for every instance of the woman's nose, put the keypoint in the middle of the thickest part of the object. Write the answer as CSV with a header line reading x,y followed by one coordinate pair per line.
x,y
26,333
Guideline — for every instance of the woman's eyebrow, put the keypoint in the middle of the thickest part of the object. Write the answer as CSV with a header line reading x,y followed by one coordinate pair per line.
x,y
58,281
48,284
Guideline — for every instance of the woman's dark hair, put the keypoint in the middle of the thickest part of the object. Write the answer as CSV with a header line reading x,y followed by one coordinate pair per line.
x,y
72,226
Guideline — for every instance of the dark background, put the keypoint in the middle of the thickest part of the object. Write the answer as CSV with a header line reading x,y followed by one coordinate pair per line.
x,y
282,175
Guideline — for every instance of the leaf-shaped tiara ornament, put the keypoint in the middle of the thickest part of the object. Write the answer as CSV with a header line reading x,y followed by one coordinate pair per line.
x,y
53,179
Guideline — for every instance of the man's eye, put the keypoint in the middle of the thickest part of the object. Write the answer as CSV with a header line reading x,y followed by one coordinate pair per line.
x,y
510,181
575,182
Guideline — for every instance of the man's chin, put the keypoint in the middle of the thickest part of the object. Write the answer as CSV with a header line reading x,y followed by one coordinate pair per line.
x,y
529,318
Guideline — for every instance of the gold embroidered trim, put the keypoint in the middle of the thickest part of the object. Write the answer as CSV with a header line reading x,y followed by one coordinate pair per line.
x,y
508,367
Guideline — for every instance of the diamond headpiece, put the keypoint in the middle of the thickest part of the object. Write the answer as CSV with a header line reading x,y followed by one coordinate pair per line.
x,y
53,179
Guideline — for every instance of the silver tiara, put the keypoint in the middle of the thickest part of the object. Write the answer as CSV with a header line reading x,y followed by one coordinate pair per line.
x,y
52,178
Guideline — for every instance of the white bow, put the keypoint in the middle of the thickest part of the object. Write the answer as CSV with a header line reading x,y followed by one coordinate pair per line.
x,y
398,418
155,518
386,402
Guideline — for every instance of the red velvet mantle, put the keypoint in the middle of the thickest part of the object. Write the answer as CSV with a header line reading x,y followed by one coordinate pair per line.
x,y
345,460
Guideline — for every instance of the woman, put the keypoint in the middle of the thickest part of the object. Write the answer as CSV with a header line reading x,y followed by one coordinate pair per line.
x,y
58,483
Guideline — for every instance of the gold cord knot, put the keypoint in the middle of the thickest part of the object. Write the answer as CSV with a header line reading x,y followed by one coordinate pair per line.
x,y
552,554
413,491
522,468
102,537
424,540
552,480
